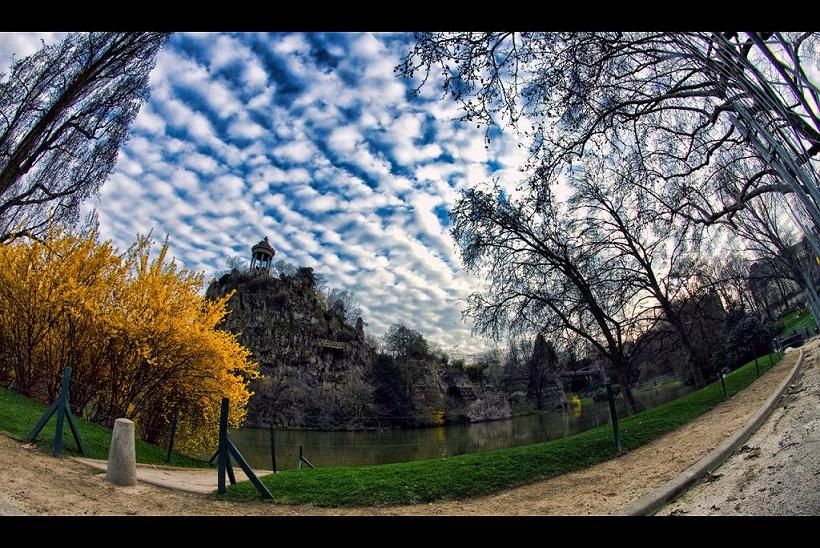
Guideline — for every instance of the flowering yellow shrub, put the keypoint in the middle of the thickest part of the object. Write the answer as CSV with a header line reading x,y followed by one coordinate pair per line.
x,y
438,417
139,337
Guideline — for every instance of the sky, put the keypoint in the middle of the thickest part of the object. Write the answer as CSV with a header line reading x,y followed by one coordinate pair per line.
x,y
311,140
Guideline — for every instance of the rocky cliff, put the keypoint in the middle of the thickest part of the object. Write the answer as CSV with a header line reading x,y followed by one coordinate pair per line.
x,y
313,362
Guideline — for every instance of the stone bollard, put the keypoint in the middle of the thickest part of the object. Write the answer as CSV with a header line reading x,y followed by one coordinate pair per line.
x,y
122,457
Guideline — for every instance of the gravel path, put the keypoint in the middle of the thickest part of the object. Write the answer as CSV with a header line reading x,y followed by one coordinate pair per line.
x,y
38,484
777,471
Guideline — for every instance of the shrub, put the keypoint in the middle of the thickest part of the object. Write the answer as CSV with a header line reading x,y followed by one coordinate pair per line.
x,y
140,339
747,337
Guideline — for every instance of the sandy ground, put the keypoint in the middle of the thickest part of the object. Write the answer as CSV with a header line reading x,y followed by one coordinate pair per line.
x,y
201,481
777,471
39,484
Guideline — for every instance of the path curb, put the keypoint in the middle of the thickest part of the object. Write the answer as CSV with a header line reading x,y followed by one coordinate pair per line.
x,y
651,502
101,464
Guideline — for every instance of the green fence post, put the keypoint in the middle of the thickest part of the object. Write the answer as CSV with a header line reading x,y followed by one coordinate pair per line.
x,y
170,455
229,466
272,448
63,403
63,410
74,430
616,431
723,384
248,471
223,458
43,421
222,451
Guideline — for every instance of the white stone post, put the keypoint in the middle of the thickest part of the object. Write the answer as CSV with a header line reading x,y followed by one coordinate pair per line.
x,y
122,456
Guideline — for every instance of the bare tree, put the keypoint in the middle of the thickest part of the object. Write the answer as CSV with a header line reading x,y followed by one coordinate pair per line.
x,y
653,251
541,278
686,105
320,282
402,342
783,259
285,268
346,302
542,370
234,262
64,113
731,276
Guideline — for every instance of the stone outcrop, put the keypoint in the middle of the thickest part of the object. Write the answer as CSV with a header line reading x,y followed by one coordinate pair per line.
x,y
284,322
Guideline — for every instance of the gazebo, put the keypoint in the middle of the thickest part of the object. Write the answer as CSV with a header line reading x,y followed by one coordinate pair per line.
x,y
262,256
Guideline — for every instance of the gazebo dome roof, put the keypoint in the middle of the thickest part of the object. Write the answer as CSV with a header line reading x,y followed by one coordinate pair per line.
x,y
263,246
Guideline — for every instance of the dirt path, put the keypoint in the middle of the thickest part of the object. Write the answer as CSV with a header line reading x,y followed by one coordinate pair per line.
x,y
38,484
190,480
777,471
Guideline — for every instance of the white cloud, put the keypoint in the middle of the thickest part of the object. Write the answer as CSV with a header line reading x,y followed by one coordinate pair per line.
x,y
229,186
295,151
367,46
319,204
344,140
243,127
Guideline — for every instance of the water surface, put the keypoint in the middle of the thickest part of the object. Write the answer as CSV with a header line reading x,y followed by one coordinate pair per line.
x,y
356,448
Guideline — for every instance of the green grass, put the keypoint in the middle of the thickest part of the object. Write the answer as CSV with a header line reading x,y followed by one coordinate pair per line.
x,y
651,387
588,401
18,415
483,473
798,320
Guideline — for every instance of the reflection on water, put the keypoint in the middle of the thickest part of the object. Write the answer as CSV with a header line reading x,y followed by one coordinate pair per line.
x,y
326,449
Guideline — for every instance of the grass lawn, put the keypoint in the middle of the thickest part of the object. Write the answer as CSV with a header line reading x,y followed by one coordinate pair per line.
x,y
19,415
651,387
620,397
483,473
795,321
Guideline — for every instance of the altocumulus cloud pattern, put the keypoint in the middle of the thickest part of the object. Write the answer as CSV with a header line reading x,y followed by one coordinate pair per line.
x,y
311,140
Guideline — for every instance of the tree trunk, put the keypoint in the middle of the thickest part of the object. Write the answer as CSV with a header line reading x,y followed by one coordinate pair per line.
x,y
696,368
620,374
695,364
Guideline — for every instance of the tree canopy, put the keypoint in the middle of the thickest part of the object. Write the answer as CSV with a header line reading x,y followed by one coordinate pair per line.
x,y
682,107
402,341
64,113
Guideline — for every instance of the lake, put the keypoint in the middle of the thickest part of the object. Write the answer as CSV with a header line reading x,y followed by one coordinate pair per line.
x,y
355,448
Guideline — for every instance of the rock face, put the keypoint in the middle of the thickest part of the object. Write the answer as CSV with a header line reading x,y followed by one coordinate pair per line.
x,y
297,341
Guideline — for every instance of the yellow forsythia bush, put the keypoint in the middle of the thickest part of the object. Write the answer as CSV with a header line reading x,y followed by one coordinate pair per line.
x,y
140,339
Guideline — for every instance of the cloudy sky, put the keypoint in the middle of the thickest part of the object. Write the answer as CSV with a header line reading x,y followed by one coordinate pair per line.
x,y
311,140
